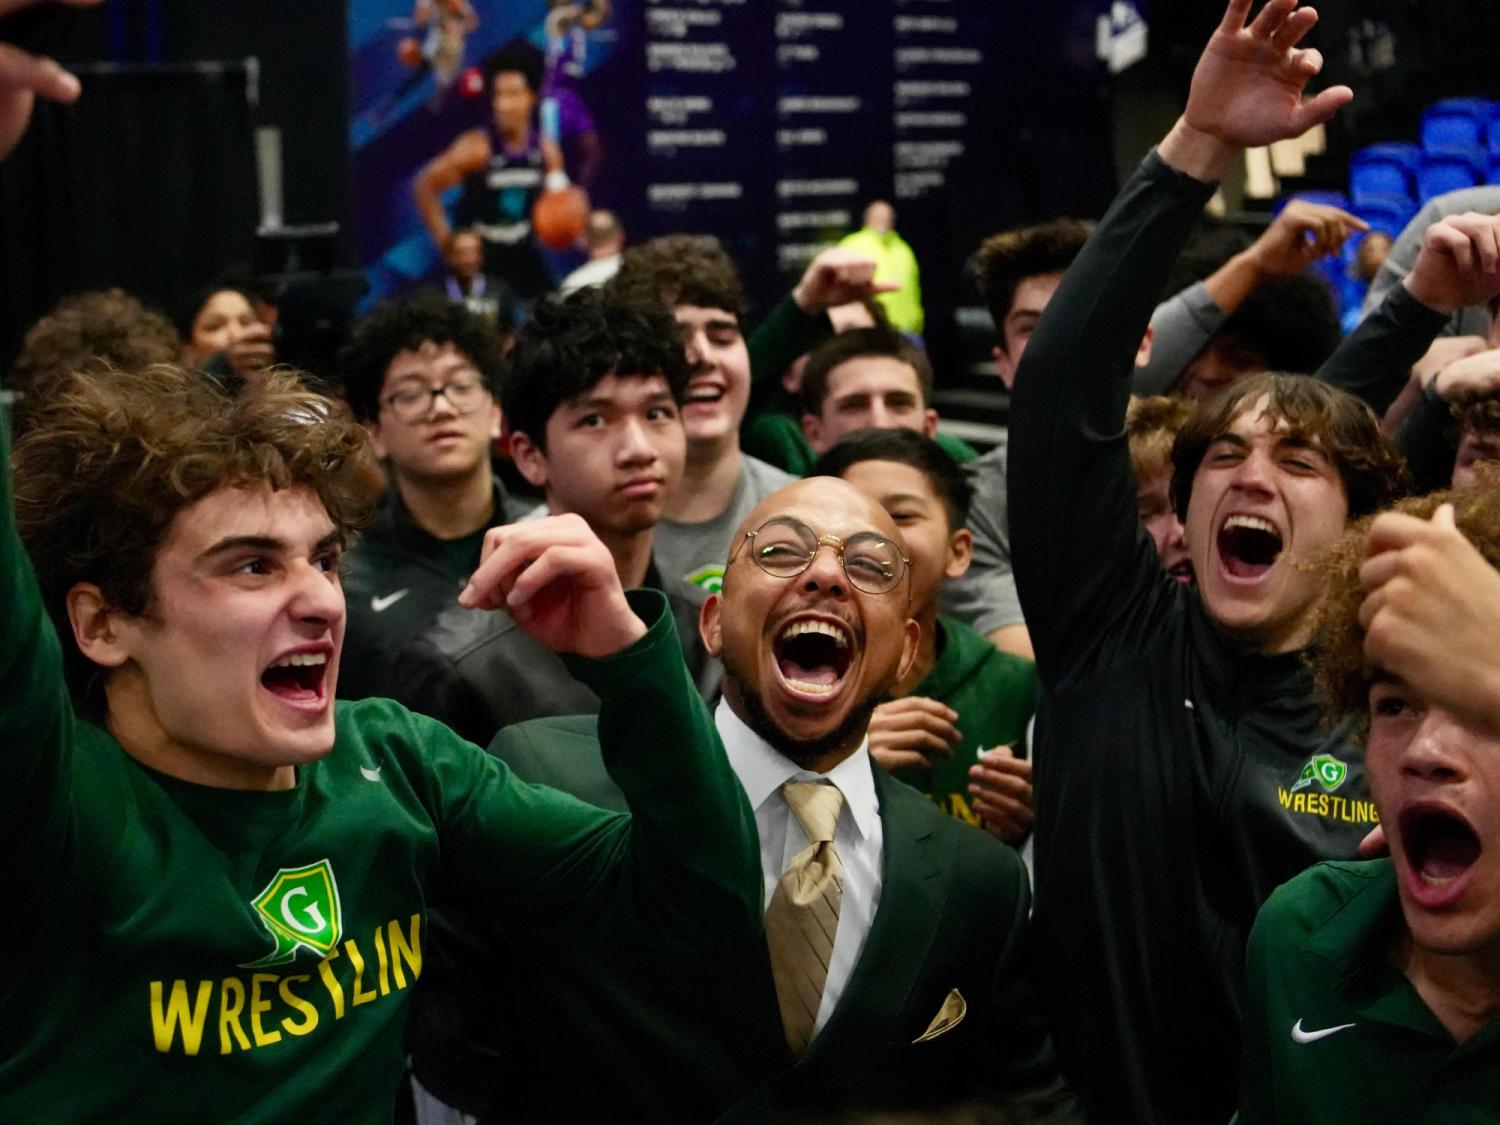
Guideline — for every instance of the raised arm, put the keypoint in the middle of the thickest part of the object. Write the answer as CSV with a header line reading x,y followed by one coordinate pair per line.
x,y
1458,266
1183,324
1079,555
799,321
36,714
685,865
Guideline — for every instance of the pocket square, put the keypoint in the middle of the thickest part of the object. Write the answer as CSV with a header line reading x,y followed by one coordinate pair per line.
x,y
949,1016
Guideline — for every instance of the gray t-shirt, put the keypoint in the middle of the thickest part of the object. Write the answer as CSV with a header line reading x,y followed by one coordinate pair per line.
x,y
985,597
693,554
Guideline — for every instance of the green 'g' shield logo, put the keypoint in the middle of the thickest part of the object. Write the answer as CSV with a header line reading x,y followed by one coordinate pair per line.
x,y
1326,770
300,907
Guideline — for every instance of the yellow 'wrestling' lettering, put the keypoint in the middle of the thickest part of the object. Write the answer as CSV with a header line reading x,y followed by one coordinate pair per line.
x,y
292,1000
261,1008
401,948
361,995
1345,809
330,982
229,1014
258,1006
164,1025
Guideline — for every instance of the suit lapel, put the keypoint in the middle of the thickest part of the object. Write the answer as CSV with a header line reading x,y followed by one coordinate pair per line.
x,y
912,896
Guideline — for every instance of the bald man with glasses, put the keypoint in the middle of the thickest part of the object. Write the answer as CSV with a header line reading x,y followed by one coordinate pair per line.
x,y
892,972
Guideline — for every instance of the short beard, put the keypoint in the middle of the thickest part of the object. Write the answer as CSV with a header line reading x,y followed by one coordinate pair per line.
x,y
839,742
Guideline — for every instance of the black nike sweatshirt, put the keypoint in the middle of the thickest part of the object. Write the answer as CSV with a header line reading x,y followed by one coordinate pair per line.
x,y
1179,778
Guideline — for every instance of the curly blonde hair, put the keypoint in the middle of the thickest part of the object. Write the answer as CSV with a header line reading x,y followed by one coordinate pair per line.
x,y
1341,673
112,456
1151,425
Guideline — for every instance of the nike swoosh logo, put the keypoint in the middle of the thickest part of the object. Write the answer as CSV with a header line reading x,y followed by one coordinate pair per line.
x,y
370,774
1300,1036
385,601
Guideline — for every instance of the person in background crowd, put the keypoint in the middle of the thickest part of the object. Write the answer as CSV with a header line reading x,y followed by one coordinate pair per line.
x,y
592,396
222,334
605,238
895,266
467,284
955,723
420,373
1373,989
89,331
1473,320
693,279
1016,273
1152,425
1258,311
1478,438
870,378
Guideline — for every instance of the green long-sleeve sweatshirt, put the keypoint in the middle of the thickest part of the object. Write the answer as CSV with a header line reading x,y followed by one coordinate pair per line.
x,y
179,953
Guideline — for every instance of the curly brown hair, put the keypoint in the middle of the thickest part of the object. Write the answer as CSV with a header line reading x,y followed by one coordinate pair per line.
x,y
90,332
1342,426
679,269
1341,673
1152,423
113,456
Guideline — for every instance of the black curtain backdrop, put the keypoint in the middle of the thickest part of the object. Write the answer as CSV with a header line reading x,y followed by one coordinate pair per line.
x,y
147,183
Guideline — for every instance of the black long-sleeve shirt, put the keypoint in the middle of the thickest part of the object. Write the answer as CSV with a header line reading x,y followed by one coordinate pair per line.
x,y
1179,777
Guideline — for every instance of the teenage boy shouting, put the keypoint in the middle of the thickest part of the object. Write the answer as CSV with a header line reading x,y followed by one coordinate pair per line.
x,y
226,876
1373,989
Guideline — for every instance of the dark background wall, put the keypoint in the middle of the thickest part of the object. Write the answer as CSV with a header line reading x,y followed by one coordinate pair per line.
x,y
148,184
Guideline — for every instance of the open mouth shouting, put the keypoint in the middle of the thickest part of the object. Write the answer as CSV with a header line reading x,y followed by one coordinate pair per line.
x,y
1439,851
813,656
1181,573
1248,547
299,678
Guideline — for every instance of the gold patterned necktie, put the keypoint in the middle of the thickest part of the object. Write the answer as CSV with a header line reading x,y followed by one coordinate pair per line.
x,y
804,913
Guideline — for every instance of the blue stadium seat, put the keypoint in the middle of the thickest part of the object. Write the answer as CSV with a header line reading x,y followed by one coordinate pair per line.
x,y
1383,170
1456,125
1494,168
1448,172
1492,128
1389,214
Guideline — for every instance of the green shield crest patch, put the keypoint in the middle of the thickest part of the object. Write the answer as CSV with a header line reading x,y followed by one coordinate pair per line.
x,y
1326,770
301,909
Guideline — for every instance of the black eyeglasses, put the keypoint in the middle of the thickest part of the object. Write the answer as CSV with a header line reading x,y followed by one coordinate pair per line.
x,y
784,547
417,403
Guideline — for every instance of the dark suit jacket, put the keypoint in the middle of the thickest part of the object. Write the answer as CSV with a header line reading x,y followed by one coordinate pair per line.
x,y
703,1041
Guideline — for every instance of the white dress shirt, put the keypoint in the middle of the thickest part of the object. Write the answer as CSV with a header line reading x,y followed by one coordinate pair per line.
x,y
858,839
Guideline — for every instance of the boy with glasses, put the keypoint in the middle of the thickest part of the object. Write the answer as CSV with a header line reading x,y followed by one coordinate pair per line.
x,y
420,374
